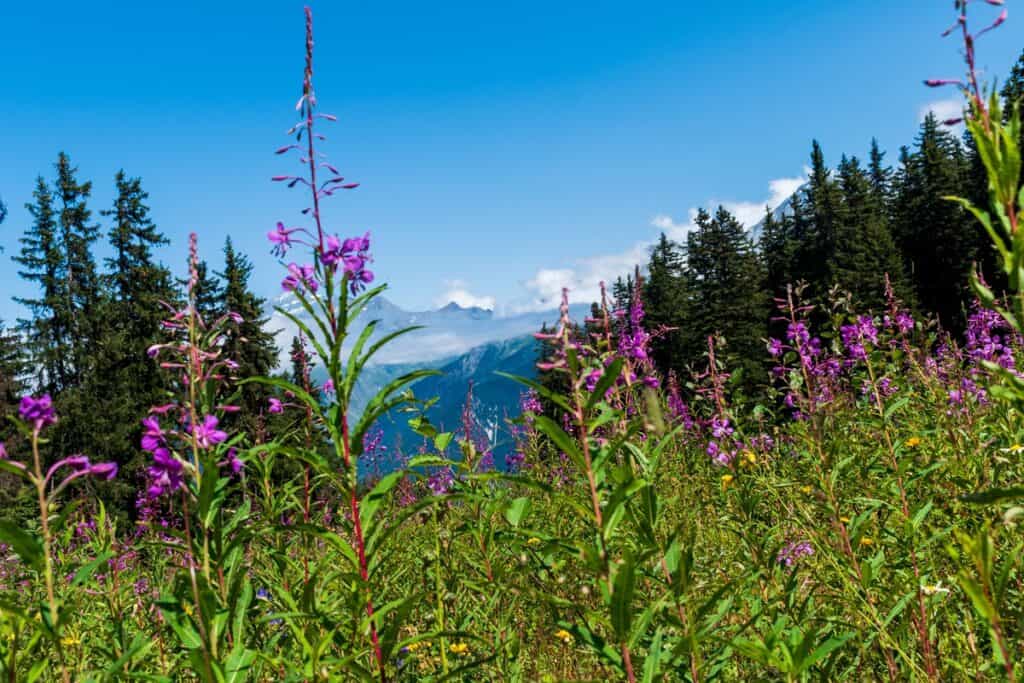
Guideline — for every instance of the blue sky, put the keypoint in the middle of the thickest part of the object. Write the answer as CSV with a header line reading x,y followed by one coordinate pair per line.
x,y
503,149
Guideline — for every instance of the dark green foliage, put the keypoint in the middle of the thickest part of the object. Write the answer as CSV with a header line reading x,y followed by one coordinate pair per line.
x,y
248,343
664,303
40,263
724,285
136,290
864,250
935,236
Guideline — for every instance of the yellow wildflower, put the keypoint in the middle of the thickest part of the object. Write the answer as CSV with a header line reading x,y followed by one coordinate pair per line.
x,y
188,608
70,640
913,442
458,649
533,541
1015,448
749,458
806,489
867,540
563,636
844,520
726,480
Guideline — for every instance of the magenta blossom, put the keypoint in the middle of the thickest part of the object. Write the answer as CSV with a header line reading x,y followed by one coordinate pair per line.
x,y
282,239
38,411
165,474
275,407
300,276
153,436
207,435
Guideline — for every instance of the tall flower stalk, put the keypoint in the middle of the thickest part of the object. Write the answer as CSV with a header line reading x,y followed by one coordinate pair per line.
x,y
331,292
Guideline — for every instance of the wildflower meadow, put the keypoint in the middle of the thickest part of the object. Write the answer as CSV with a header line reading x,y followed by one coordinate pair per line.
x,y
836,496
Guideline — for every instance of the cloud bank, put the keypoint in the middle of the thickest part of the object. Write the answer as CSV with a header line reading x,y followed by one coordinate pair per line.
x,y
583,276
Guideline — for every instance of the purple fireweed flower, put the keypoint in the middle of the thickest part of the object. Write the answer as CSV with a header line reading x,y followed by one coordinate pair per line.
x,y
3,451
282,239
329,386
440,481
153,436
275,406
486,463
720,427
791,553
775,347
165,474
514,461
106,470
207,435
797,332
233,461
38,411
353,255
300,276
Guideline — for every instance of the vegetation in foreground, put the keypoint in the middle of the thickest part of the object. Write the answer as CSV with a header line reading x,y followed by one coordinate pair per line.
x,y
859,522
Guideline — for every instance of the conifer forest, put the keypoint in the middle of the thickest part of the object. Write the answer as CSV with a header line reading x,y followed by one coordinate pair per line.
x,y
790,451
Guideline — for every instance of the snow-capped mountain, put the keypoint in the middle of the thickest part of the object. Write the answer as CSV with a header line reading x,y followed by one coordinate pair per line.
x,y
464,344
783,209
446,332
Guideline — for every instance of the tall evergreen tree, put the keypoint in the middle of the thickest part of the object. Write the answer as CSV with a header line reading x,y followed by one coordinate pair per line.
x,y
935,236
864,251
822,200
41,263
135,285
725,287
77,306
250,345
664,304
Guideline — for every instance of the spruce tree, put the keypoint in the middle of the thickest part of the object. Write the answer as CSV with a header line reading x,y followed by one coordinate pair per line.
x,y
664,306
726,295
936,237
864,250
40,262
76,309
250,344
135,285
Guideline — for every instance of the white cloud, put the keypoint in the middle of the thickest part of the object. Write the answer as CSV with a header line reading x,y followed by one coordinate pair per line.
x,y
944,110
583,278
458,292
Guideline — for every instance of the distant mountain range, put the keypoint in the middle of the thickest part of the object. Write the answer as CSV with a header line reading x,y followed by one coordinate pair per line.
x,y
781,210
465,344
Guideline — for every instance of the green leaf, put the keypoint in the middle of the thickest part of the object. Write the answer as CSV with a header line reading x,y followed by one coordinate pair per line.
x,y
26,545
993,495
372,501
563,441
517,509
238,664
611,373
622,597
552,396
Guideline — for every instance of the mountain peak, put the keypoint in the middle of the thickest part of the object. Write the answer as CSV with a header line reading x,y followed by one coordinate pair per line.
x,y
472,311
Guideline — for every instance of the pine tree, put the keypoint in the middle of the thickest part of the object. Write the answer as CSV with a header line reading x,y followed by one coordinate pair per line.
x,y
864,250
822,202
76,307
664,305
13,370
936,237
725,285
135,286
250,345
40,262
